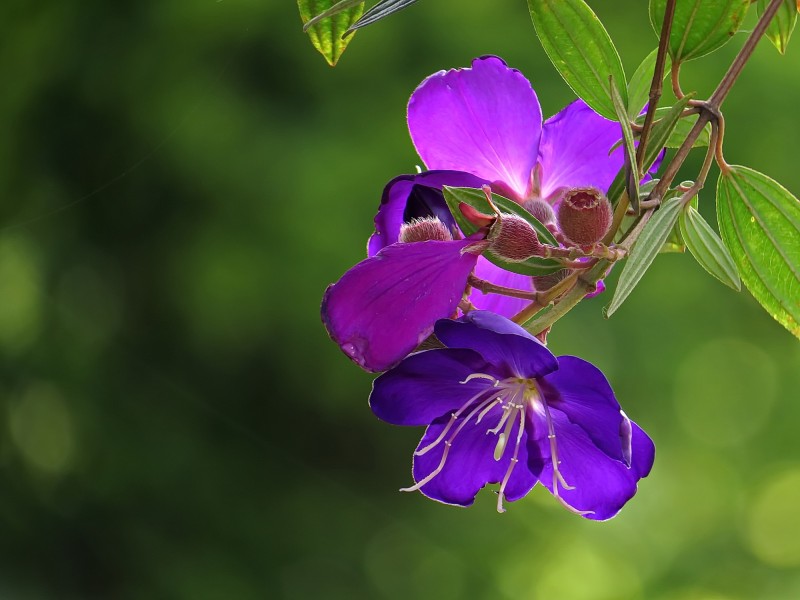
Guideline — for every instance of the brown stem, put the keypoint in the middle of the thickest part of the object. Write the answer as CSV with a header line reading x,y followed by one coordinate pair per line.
x,y
675,76
724,87
657,83
490,288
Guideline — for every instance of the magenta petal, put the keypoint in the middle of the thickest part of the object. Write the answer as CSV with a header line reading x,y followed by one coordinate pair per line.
x,y
502,305
582,392
385,306
484,120
428,385
395,199
501,342
575,149
601,484
470,463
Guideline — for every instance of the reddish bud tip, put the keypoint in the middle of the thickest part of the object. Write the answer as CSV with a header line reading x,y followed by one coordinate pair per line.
x,y
513,239
474,216
422,230
584,215
541,210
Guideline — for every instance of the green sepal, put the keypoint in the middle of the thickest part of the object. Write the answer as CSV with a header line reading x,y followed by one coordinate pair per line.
x,y
629,167
759,221
644,251
707,248
581,51
476,198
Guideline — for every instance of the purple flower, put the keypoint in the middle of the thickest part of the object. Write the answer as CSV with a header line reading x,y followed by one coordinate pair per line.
x,y
500,408
471,127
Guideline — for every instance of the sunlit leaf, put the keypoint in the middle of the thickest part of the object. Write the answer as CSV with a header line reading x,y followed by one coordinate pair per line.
x,y
581,50
326,33
782,24
476,198
707,248
381,10
644,251
760,222
700,26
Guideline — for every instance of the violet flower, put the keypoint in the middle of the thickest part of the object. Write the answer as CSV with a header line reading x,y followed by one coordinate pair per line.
x,y
500,408
473,126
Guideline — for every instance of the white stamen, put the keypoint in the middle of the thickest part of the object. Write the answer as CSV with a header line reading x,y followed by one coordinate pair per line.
x,y
480,376
453,418
487,409
512,464
500,447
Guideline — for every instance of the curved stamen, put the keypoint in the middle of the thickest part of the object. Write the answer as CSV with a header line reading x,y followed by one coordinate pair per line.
x,y
447,445
453,418
512,464
494,380
557,477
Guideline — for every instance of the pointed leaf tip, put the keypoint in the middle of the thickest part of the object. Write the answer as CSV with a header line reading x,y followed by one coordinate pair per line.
x,y
326,21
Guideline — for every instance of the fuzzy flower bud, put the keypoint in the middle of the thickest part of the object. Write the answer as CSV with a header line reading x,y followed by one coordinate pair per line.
x,y
513,239
541,210
424,229
584,215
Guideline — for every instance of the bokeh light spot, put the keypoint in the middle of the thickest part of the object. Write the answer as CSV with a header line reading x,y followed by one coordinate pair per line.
x,y
20,309
42,429
773,530
724,391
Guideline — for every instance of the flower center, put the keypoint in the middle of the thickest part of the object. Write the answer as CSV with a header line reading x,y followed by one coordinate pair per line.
x,y
514,396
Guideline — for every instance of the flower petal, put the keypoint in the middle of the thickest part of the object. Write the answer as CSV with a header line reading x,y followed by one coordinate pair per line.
x,y
500,341
582,392
407,196
643,451
485,120
502,305
574,150
428,385
470,462
385,306
601,484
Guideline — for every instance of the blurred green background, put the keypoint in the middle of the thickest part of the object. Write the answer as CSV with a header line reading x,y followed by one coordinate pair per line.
x,y
181,180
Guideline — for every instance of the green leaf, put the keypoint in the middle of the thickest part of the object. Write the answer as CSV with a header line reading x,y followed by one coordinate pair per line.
x,y
581,50
476,198
648,245
682,129
632,179
782,24
707,248
326,21
760,222
639,85
700,26
381,10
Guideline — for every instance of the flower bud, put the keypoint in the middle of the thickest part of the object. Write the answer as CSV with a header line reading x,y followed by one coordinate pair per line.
x,y
584,215
424,229
513,239
541,210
